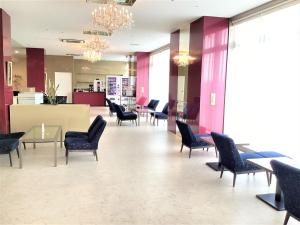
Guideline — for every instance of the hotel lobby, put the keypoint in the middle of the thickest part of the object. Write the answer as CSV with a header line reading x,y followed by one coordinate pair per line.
x,y
150,112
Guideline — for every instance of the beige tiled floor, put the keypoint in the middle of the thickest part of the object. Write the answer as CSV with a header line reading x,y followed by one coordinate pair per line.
x,y
141,178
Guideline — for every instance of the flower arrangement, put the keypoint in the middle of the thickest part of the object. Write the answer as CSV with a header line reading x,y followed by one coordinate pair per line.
x,y
50,92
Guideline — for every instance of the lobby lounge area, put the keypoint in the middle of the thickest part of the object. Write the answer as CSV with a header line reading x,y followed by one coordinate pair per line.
x,y
192,120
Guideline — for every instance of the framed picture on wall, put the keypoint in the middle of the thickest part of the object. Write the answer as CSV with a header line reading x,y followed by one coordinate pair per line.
x,y
9,73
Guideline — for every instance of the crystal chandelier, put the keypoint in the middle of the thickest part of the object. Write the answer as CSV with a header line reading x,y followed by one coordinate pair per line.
x,y
112,17
92,55
183,59
94,49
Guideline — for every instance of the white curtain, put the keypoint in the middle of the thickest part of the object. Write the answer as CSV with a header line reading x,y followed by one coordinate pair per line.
x,y
159,77
263,82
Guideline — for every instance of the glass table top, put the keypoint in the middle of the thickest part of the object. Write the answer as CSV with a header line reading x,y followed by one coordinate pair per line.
x,y
42,134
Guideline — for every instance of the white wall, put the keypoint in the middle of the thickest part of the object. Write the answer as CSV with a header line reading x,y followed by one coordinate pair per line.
x,y
263,82
64,80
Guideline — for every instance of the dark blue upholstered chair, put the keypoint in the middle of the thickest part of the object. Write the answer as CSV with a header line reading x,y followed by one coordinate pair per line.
x,y
83,134
111,106
189,139
163,115
288,179
15,135
152,104
124,116
236,162
9,145
86,143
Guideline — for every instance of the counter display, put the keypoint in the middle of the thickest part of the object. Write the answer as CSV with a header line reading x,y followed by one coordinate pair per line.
x,y
90,98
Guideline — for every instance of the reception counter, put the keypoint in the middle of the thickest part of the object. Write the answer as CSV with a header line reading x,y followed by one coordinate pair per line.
x,y
69,116
90,98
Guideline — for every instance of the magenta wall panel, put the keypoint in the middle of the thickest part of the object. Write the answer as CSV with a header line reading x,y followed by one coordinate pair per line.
x,y
213,79
6,94
207,75
142,75
36,68
173,81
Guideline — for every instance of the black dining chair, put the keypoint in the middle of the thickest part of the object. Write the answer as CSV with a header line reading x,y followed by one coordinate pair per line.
x,y
152,104
288,178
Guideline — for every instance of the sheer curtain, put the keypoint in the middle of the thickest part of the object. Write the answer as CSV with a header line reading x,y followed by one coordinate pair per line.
x,y
159,77
263,82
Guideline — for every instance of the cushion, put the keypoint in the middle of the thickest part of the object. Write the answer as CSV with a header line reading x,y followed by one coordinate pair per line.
x,y
16,135
75,143
200,144
8,145
76,134
129,116
270,154
160,115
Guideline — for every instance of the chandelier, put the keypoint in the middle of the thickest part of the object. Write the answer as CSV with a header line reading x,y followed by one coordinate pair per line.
x,y
183,59
94,49
112,17
92,55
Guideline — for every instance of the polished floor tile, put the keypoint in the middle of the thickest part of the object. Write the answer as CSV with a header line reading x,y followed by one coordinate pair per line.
x,y
141,178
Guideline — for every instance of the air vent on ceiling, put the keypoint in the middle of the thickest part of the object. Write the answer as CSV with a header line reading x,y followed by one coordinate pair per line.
x,y
73,54
71,40
120,2
96,32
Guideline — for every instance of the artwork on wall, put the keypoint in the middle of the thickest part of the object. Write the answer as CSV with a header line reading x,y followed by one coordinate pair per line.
x,y
9,73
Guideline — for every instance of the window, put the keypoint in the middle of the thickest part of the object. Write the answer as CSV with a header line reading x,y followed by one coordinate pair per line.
x,y
263,82
159,77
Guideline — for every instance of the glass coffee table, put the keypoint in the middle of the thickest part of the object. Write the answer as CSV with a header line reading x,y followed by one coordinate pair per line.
x,y
44,134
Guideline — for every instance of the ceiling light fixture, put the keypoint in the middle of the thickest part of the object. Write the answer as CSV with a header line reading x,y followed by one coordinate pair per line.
x,y
112,17
183,59
94,49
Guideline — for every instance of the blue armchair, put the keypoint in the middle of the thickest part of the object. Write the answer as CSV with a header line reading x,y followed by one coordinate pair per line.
x,y
124,116
111,106
9,145
15,135
190,140
288,178
236,162
86,143
152,104
83,134
163,115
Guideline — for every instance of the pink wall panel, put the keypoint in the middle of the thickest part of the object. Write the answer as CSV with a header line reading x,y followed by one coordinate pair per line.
x,y
142,75
173,81
213,79
36,68
207,75
6,94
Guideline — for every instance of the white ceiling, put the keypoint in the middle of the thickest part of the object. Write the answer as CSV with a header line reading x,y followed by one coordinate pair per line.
x,y
40,23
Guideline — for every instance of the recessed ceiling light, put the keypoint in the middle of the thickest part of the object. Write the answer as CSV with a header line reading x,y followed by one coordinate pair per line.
x,y
134,44
17,52
71,40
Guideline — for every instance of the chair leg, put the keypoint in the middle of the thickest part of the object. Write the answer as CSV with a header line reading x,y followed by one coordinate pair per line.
x,y
286,219
190,153
216,152
268,178
222,171
17,150
24,144
95,153
120,122
10,162
181,147
234,179
136,123
67,156
157,122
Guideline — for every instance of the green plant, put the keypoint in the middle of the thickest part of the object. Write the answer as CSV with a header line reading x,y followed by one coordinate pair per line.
x,y
50,92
